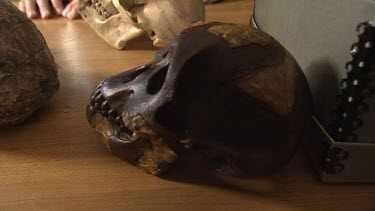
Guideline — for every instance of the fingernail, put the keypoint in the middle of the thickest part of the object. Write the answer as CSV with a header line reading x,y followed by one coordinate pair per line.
x,y
64,13
44,14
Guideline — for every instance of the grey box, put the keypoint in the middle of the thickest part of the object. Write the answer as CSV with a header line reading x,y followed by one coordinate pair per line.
x,y
340,161
319,34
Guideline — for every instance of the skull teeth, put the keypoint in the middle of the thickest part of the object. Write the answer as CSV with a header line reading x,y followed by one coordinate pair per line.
x,y
104,107
100,105
98,7
96,106
99,99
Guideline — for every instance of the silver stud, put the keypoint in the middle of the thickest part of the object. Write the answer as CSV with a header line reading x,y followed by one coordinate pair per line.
x,y
361,30
349,68
368,45
355,82
350,99
340,130
354,50
344,115
343,85
361,64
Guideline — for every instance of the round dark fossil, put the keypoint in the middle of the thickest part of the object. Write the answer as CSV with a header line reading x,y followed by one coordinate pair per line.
x,y
28,74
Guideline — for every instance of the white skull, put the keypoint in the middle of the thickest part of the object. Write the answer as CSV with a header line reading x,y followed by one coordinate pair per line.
x,y
117,21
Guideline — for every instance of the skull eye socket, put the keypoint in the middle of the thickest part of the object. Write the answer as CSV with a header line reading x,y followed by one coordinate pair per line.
x,y
156,82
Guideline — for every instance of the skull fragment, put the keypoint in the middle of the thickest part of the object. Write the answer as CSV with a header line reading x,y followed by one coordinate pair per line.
x,y
118,21
227,96
28,74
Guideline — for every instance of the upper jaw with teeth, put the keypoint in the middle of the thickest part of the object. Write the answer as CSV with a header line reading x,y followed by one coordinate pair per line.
x,y
99,106
133,135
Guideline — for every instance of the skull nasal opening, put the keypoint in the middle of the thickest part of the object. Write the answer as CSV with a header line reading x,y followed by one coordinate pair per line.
x,y
156,81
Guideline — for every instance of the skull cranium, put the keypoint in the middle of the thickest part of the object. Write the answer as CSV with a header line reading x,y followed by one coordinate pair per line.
x,y
229,94
118,21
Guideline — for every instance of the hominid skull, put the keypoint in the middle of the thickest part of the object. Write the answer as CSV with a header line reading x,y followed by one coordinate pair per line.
x,y
228,96
118,21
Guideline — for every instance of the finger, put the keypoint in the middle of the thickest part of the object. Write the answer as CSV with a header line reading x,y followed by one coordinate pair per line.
x,y
30,8
71,11
44,8
66,10
21,6
74,14
58,5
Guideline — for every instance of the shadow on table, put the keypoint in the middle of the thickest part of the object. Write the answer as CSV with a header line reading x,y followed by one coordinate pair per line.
x,y
140,43
254,185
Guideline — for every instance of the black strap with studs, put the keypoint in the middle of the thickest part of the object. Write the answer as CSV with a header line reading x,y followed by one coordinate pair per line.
x,y
355,88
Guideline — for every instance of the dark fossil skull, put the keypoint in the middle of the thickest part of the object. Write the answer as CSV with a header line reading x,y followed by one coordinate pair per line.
x,y
228,96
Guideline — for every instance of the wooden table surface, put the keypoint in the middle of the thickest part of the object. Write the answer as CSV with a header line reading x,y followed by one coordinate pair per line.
x,y
55,161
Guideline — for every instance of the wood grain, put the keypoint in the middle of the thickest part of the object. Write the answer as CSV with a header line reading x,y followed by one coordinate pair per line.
x,y
55,161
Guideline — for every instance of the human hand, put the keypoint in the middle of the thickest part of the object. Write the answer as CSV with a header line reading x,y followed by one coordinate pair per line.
x,y
71,11
29,7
